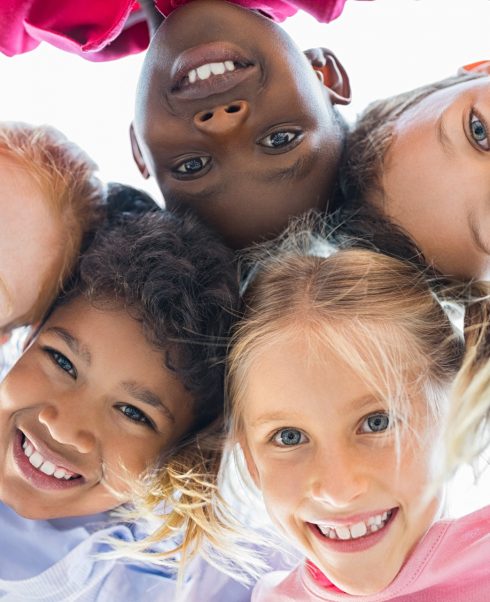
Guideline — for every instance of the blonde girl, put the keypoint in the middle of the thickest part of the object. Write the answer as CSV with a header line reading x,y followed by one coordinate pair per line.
x,y
339,382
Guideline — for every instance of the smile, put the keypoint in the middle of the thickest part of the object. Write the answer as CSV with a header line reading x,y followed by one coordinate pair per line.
x,y
359,529
210,69
44,465
39,469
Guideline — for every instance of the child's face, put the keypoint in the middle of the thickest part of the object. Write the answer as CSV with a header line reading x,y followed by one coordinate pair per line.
x,y
95,402
29,244
246,149
318,445
437,178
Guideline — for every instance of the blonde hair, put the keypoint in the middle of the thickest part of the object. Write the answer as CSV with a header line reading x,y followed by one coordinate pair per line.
x,y
66,177
375,312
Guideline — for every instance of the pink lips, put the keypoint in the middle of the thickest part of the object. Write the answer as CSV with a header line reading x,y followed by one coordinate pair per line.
x,y
215,52
35,477
354,545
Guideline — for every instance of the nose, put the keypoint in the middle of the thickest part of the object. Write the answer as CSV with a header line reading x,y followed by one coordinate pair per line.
x,y
67,427
222,120
339,477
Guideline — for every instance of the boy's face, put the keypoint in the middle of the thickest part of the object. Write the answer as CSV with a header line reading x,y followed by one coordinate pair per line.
x,y
436,178
29,245
319,445
91,400
246,148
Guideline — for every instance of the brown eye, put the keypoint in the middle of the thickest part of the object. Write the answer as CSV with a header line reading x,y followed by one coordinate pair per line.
x,y
192,166
280,139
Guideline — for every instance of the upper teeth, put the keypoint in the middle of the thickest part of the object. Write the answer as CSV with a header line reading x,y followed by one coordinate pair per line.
x,y
205,71
372,524
37,460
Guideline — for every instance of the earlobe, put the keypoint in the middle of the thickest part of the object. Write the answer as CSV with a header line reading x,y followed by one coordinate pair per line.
x,y
331,74
137,155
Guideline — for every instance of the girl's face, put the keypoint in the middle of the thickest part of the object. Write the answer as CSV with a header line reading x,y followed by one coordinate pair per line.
x,y
29,245
89,405
319,445
446,179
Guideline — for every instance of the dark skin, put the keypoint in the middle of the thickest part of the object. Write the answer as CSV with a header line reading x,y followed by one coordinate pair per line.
x,y
247,155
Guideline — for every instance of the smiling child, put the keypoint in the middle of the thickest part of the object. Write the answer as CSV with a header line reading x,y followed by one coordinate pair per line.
x,y
114,388
234,123
422,159
339,379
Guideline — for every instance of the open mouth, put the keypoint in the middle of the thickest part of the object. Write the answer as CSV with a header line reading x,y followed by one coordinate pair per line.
x,y
41,470
361,529
210,69
45,466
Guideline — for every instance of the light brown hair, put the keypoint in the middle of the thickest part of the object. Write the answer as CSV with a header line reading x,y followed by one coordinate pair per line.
x,y
65,175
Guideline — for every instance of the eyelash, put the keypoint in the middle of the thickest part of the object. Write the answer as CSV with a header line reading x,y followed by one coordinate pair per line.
x,y
58,359
374,415
206,161
143,418
273,438
475,117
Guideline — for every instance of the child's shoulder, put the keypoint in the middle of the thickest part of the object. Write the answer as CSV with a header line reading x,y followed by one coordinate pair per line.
x,y
65,558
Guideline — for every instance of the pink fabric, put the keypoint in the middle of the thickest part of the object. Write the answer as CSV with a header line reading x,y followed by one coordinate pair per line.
x,y
103,30
450,564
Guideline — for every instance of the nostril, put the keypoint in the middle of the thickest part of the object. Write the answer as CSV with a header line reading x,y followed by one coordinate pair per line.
x,y
233,109
206,116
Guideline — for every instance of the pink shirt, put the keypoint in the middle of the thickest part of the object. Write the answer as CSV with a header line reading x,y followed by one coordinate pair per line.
x,y
450,564
103,30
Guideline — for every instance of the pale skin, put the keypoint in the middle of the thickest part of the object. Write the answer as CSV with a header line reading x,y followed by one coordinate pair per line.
x,y
90,394
436,177
30,245
319,445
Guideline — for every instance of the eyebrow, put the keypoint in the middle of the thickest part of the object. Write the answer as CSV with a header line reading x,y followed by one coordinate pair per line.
x,y
297,171
148,397
442,135
73,343
357,404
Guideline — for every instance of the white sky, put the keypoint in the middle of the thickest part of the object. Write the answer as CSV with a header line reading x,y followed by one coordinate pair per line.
x,y
387,46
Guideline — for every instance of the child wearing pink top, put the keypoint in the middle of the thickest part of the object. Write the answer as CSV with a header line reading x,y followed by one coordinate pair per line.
x,y
339,381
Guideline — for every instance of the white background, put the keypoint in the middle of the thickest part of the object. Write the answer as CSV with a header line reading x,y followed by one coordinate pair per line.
x,y
387,46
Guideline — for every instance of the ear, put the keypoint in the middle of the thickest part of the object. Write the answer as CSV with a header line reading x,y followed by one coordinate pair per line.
x,y
251,466
479,67
137,155
331,73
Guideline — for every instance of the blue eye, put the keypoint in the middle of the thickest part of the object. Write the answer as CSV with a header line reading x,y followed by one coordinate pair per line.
x,y
62,361
192,166
280,139
289,437
479,131
375,423
135,415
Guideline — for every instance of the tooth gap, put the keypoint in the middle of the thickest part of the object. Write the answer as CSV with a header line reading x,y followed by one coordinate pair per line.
x,y
233,109
206,117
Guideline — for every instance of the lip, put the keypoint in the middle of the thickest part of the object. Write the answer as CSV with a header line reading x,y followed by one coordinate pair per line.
x,y
37,478
352,546
214,52
352,519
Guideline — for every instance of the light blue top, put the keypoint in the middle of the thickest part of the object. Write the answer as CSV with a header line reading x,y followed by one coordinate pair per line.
x,y
55,561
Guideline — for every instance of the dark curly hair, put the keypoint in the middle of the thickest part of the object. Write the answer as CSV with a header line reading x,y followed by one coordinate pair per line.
x,y
175,278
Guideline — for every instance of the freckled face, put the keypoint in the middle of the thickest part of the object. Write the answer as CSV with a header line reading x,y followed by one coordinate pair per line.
x,y
320,446
30,245
437,178
94,401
